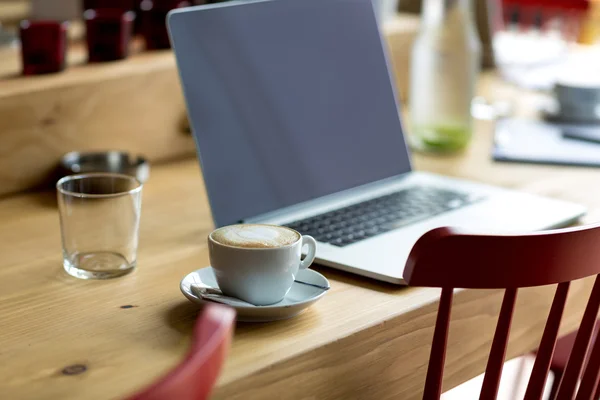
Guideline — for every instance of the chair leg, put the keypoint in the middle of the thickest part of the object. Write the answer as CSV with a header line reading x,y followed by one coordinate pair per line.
x,y
555,384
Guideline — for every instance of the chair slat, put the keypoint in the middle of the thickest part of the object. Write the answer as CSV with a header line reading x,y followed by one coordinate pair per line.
x,y
589,382
437,357
493,371
570,378
539,374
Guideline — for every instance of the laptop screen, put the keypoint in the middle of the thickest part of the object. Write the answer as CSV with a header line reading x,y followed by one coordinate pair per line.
x,y
289,100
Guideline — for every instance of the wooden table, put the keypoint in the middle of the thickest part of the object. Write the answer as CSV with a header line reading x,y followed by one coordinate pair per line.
x,y
364,340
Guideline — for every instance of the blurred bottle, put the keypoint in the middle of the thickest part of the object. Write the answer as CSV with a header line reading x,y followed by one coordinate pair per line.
x,y
446,61
590,32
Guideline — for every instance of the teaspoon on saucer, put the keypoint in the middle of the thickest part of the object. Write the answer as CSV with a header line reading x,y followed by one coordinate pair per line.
x,y
215,294
312,284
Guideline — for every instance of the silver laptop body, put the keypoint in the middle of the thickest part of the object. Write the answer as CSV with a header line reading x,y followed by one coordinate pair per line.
x,y
296,123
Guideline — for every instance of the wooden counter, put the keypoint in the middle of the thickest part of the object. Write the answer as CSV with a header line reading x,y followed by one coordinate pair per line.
x,y
363,340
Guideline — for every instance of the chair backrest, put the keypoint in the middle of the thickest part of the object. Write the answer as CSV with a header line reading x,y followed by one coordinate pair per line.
x,y
194,378
447,258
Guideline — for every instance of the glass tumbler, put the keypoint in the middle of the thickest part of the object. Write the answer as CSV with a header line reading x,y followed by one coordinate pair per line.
x,y
99,220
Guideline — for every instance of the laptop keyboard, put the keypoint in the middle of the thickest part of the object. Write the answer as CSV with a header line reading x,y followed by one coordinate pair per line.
x,y
361,221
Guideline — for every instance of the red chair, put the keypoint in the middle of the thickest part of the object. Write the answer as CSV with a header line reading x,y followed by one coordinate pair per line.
x,y
194,378
448,259
564,345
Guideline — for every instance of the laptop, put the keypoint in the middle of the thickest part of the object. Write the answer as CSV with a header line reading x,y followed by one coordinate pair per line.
x,y
296,122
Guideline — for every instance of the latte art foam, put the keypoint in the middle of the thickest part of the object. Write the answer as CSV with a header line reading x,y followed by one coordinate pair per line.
x,y
255,236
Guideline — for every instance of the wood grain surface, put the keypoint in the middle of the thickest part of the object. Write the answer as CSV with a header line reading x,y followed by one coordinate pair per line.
x,y
135,105
12,11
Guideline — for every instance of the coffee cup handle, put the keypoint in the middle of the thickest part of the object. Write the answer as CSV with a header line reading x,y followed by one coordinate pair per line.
x,y
312,250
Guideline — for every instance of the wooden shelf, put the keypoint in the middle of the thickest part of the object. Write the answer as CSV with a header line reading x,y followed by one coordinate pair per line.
x,y
134,105
79,71
11,12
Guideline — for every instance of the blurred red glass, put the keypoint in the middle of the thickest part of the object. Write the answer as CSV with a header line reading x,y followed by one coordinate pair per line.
x,y
127,5
43,46
545,14
108,33
153,14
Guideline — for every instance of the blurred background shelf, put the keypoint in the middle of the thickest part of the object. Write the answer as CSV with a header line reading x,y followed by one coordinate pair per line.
x,y
135,105
12,11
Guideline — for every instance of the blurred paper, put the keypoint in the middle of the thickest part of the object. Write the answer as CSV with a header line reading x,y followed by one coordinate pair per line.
x,y
539,142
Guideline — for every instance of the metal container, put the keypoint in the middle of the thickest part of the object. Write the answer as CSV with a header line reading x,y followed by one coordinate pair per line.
x,y
107,161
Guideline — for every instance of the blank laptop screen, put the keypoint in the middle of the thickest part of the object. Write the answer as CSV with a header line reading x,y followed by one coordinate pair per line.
x,y
289,100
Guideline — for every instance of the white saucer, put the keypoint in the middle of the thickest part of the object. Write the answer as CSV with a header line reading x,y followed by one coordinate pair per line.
x,y
299,298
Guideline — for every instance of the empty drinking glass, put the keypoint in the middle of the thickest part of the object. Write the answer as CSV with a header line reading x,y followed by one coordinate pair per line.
x,y
99,219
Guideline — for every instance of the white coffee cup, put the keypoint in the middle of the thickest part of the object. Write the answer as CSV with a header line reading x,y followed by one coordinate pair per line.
x,y
258,263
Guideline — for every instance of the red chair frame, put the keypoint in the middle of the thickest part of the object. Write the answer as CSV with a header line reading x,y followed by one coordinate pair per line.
x,y
448,258
194,378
